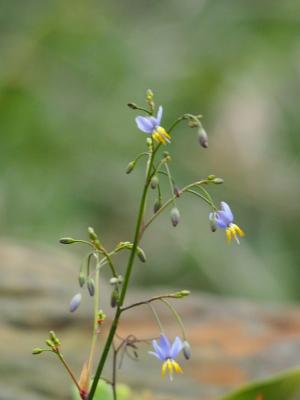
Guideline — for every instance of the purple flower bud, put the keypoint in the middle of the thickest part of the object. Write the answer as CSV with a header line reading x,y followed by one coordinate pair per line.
x,y
75,302
203,138
156,206
91,286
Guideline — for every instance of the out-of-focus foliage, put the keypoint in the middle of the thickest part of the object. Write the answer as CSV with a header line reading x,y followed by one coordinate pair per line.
x,y
285,386
67,71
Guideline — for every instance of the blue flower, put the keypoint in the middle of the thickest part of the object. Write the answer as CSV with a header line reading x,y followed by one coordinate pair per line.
x,y
151,126
166,352
224,220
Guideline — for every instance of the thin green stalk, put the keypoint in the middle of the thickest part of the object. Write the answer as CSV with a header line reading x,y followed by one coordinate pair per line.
x,y
126,279
68,369
177,317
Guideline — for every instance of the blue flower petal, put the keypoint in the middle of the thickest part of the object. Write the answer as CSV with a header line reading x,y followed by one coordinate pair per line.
x,y
176,347
144,124
155,355
158,350
159,115
165,345
221,220
225,207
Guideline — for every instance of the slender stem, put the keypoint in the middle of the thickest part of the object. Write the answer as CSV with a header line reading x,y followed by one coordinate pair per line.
x,y
201,197
175,123
177,316
141,303
126,279
170,181
114,373
95,325
68,369
156,317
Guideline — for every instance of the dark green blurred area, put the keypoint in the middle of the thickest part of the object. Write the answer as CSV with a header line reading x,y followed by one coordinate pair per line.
x,y
67,71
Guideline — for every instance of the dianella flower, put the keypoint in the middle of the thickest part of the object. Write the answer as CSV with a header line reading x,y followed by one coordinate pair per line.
x,y
151,126
224,220
167,352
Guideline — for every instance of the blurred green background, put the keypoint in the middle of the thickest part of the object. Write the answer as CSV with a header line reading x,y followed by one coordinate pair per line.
x,y
67,71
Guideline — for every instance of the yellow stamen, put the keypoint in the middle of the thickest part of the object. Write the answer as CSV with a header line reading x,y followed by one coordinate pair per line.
x,y
239,230
232,231
160,135
164,368
228,234
177,367
170,366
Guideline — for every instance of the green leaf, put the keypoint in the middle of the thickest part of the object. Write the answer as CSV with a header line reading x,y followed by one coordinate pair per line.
x,y
104,392
285,386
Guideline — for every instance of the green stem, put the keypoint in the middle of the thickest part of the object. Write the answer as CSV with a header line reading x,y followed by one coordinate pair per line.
x,y
126,279
177,317
68,369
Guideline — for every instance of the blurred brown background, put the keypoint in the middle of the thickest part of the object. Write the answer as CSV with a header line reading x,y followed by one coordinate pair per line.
x,y
67,71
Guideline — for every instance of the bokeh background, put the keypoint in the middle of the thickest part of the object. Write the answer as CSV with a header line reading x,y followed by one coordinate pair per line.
x,y
67,71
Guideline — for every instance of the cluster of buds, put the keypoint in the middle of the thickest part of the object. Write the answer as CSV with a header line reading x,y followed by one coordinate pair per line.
x,y
53,343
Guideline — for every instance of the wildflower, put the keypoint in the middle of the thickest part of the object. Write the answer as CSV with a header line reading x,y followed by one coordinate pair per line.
x,y
166,352
224,219
151,125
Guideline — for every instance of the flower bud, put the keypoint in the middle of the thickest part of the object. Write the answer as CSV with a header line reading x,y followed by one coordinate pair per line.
x,y
154,182
186,349
175,216
49,343
37,350
213,222
92,234
133,106
218,181
141,254
130,167
156,206
67,240
75,302
91,286
54,338
81,278
114,281
211,177
203,138
114,298
181,294
149,95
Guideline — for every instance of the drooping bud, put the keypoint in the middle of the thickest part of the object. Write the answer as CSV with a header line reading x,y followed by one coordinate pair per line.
x,y
218,181
67,240
37,350
114,297
114,281
177,191
175,216
202,137
211,177
156,206
154,182
91,286
141,254
75,302
133,106
81,278
130,167
186,350
213,222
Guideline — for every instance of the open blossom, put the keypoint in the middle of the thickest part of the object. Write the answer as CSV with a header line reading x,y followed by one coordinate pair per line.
x,y
224,220
167,352
151,126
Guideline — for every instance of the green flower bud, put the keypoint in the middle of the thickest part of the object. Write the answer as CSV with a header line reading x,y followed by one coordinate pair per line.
x,y
141,254
92,234
120,279
130,167
133,106
54,338
186,350
218,181
154,182
181,294
114,298
211,177
114,281
175,216
81,278
149,95
91,286
49,343
177,191
213,222
156,206
67,240
37,350
202,137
